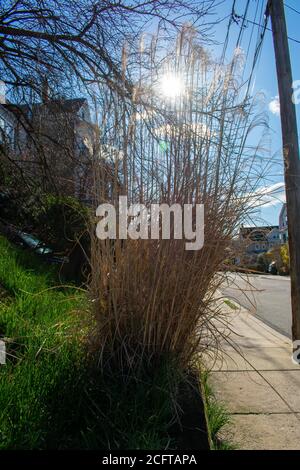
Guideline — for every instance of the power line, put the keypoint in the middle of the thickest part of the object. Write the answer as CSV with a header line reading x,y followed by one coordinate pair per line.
x,y
258,47
291,8
243,25
237,17
228,32
269,29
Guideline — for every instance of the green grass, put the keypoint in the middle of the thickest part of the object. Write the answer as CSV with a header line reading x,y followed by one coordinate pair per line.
x,y
217,416
39,324
51,395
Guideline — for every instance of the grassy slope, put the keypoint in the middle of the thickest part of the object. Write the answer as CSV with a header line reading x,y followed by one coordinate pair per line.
x,y
41,330
49,397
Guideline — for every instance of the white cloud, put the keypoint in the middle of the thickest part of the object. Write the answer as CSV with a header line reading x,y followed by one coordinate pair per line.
x,y
268,196
184,131
274,106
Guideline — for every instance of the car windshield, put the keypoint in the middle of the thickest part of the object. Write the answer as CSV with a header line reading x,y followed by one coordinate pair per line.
x,y
30,239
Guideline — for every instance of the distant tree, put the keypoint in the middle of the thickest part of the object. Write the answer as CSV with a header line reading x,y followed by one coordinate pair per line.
x,y
285,257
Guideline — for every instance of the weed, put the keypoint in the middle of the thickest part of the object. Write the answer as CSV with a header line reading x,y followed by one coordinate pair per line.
x,y
217,416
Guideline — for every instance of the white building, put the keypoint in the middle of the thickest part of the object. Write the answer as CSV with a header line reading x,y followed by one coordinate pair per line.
x,y
283,224
273,237
65,135
7,122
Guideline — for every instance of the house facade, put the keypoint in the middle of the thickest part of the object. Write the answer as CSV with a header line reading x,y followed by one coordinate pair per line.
x,y
253,241
283,224
7,127
53,141
273,237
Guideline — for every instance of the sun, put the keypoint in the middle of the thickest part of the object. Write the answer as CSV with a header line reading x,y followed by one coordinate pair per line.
x,y
171,86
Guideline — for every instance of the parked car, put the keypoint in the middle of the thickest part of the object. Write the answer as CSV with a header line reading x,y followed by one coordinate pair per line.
x,y
273,268
30,242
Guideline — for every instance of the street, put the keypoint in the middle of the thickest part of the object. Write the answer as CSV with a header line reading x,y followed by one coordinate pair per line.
x,y
266,296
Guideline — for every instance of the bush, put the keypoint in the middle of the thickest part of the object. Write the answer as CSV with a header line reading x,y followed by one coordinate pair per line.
x,y
58,221
285,257
262,263
62,224
61,221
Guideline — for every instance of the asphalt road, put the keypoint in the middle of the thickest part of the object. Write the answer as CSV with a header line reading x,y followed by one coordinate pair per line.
x,y
266,296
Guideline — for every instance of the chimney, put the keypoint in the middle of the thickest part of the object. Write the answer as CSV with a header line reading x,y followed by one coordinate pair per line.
x,y
45,90
2,92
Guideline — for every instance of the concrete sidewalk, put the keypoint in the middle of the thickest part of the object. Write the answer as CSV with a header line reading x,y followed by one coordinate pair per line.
x,y
254,376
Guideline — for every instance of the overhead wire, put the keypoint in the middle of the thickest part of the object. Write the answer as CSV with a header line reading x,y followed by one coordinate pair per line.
x,y
292,8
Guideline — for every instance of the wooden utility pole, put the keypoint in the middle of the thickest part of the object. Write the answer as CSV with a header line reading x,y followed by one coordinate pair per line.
x,y
290,152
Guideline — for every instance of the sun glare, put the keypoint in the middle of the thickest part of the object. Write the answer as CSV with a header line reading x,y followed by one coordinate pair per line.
x,y
171,86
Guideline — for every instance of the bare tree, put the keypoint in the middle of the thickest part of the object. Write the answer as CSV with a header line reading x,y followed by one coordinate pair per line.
x,y
79,39
70,46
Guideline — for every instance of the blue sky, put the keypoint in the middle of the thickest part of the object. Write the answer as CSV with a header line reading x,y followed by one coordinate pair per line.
x,y
265,80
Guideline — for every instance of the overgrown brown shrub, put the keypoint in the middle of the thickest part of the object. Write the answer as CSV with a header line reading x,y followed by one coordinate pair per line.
x,y
153,298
